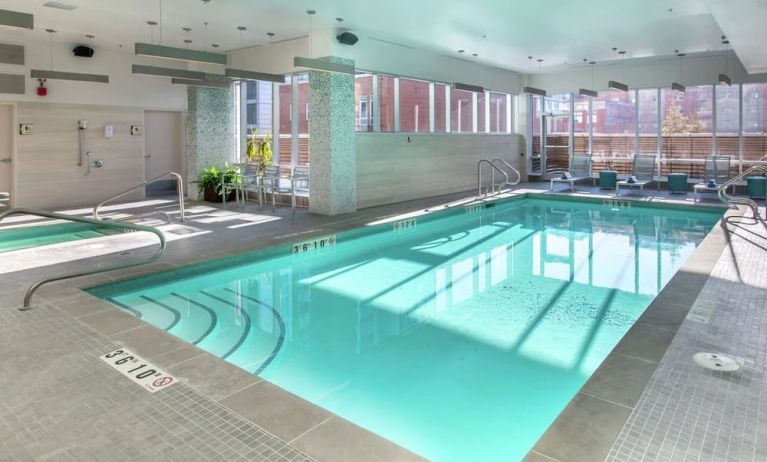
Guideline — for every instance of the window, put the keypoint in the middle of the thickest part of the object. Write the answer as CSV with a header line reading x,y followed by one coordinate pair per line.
x,y
303,118
686,123
386,102
499,115
728,122
440,107
648,121
481,109
285,92
413,105
754,123
461,114
614,130
363,94
581,123
558,132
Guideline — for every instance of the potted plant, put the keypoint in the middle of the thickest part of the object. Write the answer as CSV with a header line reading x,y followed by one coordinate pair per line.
x,y
260,150
209,183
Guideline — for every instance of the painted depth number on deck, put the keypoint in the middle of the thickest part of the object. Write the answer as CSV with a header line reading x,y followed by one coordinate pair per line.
x,y
617,203
314,244
131,365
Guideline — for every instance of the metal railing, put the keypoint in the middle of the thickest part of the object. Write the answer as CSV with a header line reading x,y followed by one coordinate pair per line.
x,y
179,191
100,223
727,199
510,167
492,185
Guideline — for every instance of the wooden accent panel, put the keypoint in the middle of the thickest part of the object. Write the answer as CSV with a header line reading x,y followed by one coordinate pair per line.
x,y
47,174
390,169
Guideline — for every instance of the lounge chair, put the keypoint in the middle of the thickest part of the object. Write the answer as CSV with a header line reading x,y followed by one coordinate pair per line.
x,y
643,171
716,173
580,169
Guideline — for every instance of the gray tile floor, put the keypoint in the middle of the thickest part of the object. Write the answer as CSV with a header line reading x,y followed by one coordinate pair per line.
x,y
690,413
60,402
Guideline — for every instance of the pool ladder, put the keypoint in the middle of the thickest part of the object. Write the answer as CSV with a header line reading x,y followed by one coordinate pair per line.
x,y
750,203
496,165
98,223
179,192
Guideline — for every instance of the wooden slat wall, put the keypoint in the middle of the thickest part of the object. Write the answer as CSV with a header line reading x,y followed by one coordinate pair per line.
x,y
616,152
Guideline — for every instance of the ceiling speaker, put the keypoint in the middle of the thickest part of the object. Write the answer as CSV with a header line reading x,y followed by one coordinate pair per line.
x,y
347,38
83,51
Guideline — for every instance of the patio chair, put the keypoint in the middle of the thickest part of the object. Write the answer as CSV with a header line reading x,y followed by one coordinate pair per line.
x,y
717,168
580,169
272,183
229,186
251,181
643,171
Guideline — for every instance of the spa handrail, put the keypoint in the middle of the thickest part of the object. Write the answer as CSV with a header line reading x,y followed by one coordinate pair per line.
x,y
493,169
179,191
100,223
727,199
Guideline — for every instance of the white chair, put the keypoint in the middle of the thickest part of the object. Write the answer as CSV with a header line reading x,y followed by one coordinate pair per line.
x,y
643,171
273,183
580,169
251,182
231,185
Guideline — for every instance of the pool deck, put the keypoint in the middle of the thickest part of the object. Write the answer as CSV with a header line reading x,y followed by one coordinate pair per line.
x,y
648,401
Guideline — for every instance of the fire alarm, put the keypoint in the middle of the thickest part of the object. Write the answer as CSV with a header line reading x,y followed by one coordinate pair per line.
x,y
42,90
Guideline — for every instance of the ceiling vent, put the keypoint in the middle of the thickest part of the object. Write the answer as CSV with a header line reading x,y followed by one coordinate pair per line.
x,y
60,5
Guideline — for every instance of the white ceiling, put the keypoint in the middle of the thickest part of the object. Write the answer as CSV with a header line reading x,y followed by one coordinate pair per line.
x,y
503,32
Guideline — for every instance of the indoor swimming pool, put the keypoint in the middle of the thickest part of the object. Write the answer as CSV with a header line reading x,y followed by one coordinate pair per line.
x,y
36,236
459,336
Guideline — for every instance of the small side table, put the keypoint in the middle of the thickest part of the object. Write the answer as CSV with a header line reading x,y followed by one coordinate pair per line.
x,y
756,187
608,179
677,183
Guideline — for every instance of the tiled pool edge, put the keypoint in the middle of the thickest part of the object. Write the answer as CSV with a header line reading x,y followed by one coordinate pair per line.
x,y
587,428
348,439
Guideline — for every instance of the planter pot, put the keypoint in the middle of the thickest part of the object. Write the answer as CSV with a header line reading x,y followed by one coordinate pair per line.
x,y
209,194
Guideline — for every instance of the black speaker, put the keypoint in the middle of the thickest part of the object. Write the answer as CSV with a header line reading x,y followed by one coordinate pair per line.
x,y
347,38
83,51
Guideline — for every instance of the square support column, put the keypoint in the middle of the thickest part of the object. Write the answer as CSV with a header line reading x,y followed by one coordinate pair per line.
x,y
333,163
210,138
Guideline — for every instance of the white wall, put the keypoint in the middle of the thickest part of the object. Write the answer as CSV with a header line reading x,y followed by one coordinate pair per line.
x,y
646,73
390,169
376,56
124,89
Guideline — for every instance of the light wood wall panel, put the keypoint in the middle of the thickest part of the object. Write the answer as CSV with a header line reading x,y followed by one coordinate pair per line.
x,y
390,169
47,174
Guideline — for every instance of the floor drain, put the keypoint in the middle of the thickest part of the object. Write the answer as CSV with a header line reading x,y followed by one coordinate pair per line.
x,y
716,362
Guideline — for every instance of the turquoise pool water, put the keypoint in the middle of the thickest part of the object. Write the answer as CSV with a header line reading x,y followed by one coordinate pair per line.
x,y
36,236
460,338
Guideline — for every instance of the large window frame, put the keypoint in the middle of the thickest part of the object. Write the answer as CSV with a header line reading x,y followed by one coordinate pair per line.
x,y
738,161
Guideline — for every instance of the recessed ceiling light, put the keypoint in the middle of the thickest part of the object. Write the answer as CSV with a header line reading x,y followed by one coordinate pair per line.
x,y
60,5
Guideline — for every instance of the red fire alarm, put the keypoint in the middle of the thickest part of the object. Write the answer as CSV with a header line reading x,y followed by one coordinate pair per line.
x,y
42,90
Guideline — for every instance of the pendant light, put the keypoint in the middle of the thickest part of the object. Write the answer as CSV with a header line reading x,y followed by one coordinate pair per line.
x,y
533,90
612,84
318,64
676,86
181,54
724,79
587,92
16,20
241,74
58,75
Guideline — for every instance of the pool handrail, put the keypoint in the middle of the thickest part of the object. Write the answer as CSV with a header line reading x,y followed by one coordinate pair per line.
x,y
510,167
179,191
100,223
492,185
729,200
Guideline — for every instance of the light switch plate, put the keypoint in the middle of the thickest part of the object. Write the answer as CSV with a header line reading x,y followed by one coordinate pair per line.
x,y
26,129
109,131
